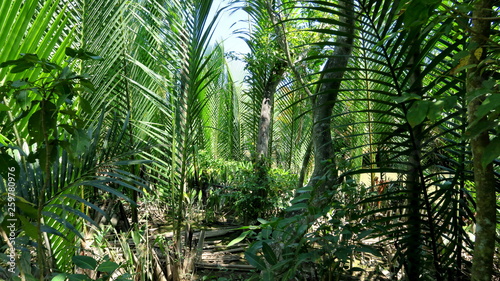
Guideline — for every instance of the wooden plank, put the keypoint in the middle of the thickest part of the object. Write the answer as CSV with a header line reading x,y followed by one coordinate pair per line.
x,y
223,266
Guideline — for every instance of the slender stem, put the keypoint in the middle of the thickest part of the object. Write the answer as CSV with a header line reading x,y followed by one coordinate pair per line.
x,y
41,196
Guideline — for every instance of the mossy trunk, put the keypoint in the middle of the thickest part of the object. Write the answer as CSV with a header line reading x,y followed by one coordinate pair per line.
x,y
482,263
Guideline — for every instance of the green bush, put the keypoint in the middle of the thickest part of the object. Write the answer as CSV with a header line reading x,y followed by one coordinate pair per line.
x,y
236,189
104,270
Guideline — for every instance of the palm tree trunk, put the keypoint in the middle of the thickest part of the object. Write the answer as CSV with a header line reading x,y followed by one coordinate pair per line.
x,y
264,136
323,102
266,113
414,183
414,221
482,263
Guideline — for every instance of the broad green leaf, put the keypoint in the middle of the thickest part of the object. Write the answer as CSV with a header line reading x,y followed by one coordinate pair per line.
x,y
266,233
406,97
304,189
19,83
489,104
478,127
42,156
108,267
416,13
89,55
29,57
8,63
59,277
238,239
81,54
477,93
417,112
42,122
296,207
248,227
70,52
435,110
124,277
48,66
262,221
343,253
269,254
28,227
35,127
23,99
450,102
84,262
26,207
255,261
465,7
489,84
78,277
465,67
22,67
85,105
491,152
300,198
80,141
302,229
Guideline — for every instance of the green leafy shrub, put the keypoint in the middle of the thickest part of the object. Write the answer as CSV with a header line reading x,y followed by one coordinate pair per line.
x,y
102,270
234,189
248,200
56,154
313,244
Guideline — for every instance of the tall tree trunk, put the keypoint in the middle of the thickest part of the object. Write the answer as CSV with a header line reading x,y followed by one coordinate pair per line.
x,y
265,133
266,113
325,173
414,244
482,263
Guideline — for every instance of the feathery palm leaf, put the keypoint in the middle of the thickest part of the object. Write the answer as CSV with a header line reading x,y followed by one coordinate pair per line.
x,y
389,118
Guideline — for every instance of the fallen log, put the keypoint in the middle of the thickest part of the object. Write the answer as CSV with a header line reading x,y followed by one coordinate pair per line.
x,y
222,266
208,233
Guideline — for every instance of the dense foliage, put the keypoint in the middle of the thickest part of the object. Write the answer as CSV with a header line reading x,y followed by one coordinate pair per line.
x,y
363,144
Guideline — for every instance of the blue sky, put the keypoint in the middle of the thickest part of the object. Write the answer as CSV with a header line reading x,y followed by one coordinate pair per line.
x,y
228,23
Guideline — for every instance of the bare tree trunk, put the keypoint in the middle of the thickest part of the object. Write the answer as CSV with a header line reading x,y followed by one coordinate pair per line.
x,y
325,173
482,263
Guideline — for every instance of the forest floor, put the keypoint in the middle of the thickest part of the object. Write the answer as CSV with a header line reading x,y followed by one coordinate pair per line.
x,y
220,262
